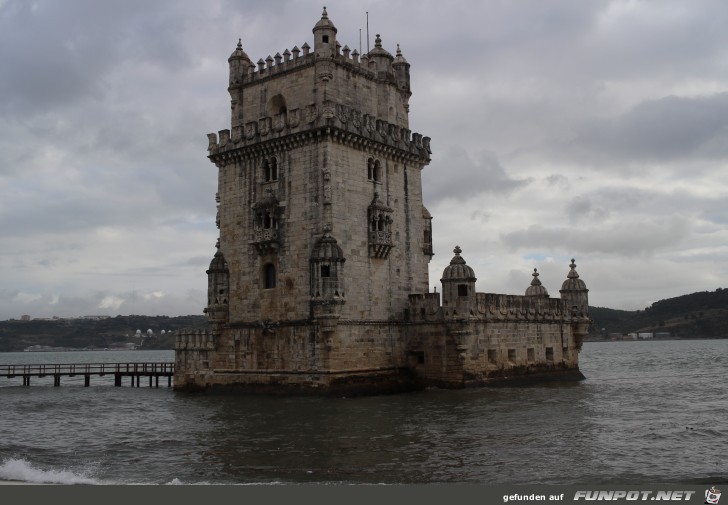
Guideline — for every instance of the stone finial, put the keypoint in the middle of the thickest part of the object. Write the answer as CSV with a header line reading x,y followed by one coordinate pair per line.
x,y
306,48
296,51
378,41
261,64
240,44
269,61
278,58
346,52
535,281
572,273
536,289
457,259
399,58
286,55
355,56
324,14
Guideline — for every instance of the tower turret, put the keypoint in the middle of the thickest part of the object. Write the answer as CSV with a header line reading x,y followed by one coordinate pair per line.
x,y
218,285
575,293
381,58
324,37
458,287
240,66
239,63
401,72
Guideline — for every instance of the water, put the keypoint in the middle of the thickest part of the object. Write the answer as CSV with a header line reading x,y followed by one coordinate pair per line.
x,y
649,412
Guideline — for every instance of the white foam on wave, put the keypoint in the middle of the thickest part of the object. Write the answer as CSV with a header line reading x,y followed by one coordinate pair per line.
x,y
20,470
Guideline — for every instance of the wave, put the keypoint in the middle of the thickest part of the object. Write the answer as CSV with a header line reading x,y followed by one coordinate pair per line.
x,y
20,470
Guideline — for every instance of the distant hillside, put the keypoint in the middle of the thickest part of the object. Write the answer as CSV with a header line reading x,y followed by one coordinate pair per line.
x,y
698,315
103,333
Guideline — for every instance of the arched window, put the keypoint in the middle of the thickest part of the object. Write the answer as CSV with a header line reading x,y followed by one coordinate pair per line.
x,y
374,170
273,169
269,272
277,105
270,169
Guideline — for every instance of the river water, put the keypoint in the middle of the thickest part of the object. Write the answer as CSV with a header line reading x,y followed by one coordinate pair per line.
x,y
648,412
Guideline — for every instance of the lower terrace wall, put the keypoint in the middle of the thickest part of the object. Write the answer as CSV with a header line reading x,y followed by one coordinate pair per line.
x,y
472,353
354,357
371,357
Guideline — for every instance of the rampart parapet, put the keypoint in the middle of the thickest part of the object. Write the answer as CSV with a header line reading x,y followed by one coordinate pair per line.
x,y
342,122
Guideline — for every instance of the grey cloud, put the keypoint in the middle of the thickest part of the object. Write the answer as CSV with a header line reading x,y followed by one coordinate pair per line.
x,y
634,238
458,176
668,129
53,53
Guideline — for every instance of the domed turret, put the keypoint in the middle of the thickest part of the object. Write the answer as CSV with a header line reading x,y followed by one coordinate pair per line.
x,y
217,288
458,286
536,288
240,64
457,270
324,37
218,263
327,264
574,292
380,56
401,71
327,249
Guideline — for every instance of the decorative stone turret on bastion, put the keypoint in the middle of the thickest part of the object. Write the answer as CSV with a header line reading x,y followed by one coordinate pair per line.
x,y
575,295
458,288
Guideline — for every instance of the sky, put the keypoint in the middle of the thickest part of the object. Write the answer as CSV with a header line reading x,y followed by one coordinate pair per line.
x,y
594,130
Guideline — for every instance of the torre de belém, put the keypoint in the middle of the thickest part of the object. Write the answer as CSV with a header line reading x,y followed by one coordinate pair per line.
x,y
320,280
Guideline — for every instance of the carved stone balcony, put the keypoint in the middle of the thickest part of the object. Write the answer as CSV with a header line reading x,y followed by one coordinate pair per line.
x,y
380,243
266,241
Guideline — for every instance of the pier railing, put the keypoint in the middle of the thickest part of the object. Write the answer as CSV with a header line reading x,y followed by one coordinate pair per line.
x,y
118,370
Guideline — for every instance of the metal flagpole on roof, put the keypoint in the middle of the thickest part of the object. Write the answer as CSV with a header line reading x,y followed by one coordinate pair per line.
x,y
367,32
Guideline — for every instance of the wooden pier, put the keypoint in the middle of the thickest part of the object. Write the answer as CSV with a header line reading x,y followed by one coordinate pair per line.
x,y
119,370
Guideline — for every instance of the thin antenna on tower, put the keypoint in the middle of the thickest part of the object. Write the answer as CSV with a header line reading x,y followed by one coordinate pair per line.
x,y
359,40
367,32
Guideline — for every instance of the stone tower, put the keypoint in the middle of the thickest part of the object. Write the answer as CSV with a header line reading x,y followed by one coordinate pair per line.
x,y
323,231
320,279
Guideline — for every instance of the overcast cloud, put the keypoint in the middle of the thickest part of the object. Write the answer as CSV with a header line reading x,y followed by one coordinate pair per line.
x,y
594,130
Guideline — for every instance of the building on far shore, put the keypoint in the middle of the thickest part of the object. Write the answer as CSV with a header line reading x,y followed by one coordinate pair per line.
x,y
320,281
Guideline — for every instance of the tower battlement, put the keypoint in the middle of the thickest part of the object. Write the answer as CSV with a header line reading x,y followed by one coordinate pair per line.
x,y
353,126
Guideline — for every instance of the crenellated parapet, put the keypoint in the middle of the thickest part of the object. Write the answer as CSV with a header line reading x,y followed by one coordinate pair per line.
x,y
425,307
377,65
500,307
195,339
493,307
345,123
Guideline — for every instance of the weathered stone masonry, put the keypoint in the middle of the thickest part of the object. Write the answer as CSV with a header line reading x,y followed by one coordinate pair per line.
x,y
320,279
